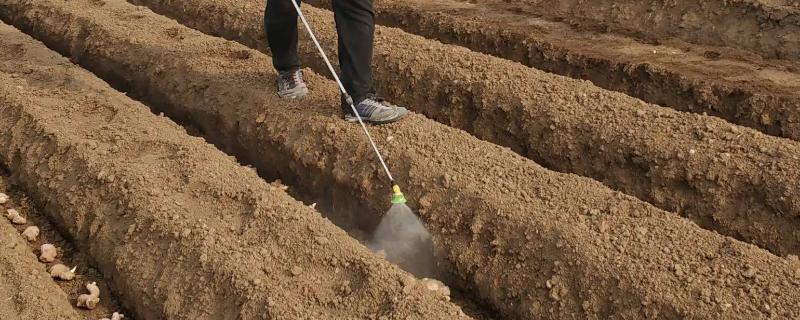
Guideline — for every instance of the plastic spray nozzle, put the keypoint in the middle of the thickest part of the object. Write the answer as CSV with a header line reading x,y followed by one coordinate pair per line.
x,y
397,195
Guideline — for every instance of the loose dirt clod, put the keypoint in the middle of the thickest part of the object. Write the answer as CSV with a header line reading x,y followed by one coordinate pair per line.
x,y
49,253
296,271
412,285
90,301
436,286
60,271
15,217
31,233
115,316
3,198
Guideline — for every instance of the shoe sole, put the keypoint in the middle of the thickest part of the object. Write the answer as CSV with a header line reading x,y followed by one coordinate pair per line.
x,y
353,119
298,93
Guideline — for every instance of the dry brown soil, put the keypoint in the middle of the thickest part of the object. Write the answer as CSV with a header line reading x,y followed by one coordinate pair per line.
x,y
182,231
574,247
769,27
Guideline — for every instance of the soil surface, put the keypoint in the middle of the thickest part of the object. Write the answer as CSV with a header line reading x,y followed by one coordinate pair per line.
x,y
530,242
769,27
736,85
182,231
726,178
179,228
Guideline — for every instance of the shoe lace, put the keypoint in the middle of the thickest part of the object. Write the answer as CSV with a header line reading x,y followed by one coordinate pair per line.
x,y
292,78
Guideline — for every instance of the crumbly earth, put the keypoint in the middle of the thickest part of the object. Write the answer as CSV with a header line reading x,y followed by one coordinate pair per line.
x,y
530,242
726,178
769,27
26,290
178,227
734,84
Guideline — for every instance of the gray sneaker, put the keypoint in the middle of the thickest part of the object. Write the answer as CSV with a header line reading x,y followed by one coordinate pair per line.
x,y
375,110
291,84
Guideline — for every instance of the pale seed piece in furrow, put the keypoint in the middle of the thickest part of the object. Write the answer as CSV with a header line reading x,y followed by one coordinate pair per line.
x,y
62,272
15,217
31,233
48,254
90,301
115,316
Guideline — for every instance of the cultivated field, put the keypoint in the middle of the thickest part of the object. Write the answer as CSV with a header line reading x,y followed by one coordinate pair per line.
x,y
572,160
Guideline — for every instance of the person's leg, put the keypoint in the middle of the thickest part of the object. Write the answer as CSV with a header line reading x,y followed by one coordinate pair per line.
x,y
355,24
280,23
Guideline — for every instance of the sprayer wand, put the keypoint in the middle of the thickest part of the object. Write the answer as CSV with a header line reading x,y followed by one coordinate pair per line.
x,y
397,195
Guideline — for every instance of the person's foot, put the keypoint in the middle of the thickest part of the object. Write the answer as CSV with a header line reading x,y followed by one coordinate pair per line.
x,y
375,110
291,84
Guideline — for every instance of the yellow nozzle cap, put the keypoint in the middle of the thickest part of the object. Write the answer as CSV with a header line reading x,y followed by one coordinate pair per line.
x,y
397,195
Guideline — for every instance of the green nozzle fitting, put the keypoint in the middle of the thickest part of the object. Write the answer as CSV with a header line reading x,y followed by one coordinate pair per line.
x,y
397,195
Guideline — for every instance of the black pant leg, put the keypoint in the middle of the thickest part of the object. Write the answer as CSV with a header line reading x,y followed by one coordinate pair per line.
x,y
280,23
355,24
